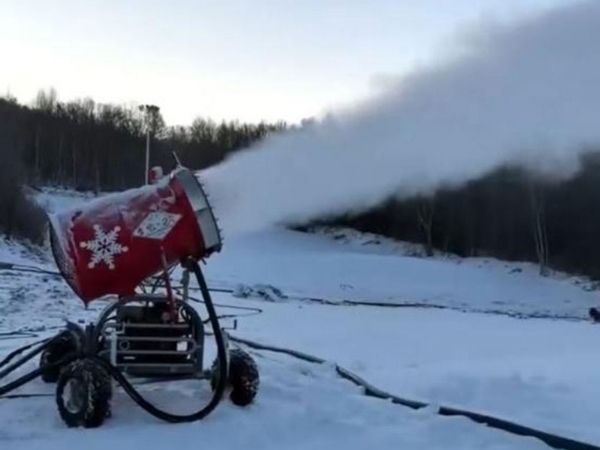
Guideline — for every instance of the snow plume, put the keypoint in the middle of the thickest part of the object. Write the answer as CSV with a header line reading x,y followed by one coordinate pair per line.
x,y
528,94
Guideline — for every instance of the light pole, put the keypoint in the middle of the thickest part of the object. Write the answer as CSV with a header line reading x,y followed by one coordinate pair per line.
x,y
150,112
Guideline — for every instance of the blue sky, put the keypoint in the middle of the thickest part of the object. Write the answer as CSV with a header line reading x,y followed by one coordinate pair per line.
x,y
245,59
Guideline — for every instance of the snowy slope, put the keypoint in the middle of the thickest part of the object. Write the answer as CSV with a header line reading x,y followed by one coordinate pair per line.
x,y
542,373
306,265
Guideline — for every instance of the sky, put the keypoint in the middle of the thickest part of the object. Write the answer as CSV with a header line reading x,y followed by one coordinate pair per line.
x,y
247,60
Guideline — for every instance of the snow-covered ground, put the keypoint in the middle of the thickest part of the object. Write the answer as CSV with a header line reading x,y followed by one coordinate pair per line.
x,y
537,372
306,265
301,406
540,372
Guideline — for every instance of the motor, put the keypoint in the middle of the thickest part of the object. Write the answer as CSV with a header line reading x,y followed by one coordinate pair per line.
x,y
111,247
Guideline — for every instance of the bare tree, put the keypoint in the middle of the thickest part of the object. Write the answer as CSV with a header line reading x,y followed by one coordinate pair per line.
x,y
425,214
540,235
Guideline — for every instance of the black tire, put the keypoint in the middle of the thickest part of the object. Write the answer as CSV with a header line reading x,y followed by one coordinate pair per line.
x,y
83,394
67,342
244,378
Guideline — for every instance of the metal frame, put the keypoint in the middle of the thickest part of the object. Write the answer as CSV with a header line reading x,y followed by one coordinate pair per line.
x,y
114,333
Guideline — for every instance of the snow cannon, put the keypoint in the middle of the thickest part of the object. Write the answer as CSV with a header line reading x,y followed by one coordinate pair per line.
x,y
125,247
110,245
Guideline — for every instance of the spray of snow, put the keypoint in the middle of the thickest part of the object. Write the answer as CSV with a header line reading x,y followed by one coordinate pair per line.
x,y
528,94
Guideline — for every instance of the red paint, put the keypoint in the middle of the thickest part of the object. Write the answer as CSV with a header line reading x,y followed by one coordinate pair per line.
x,y
142,257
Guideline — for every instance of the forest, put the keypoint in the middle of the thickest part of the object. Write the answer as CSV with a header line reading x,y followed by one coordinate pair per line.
x,y
92,146
510,214
89,146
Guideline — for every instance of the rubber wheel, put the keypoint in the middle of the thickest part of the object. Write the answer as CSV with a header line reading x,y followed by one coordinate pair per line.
x,y
83,394
244,379
66,343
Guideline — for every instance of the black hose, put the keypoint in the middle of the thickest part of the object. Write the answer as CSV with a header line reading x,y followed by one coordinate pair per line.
x,y
20,361
31,375
16,396
221,354
552,440
251,311
12,335
18,351
34,374
27,269
15,384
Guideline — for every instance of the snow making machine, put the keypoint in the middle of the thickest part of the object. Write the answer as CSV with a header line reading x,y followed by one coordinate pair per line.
x,y
110,248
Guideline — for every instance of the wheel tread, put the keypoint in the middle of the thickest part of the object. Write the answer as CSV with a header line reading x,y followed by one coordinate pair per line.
x,y
98,387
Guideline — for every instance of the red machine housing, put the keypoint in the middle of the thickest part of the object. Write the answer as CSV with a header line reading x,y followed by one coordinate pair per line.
x,y
111,244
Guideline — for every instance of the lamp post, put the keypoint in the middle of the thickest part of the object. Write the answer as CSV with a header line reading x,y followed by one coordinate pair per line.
x,y
150,112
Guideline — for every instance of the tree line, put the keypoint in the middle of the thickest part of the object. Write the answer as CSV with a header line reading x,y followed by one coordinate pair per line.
x,y
95,146
509,213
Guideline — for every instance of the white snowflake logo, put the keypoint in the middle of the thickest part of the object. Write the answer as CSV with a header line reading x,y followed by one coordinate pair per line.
x,y
104,247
